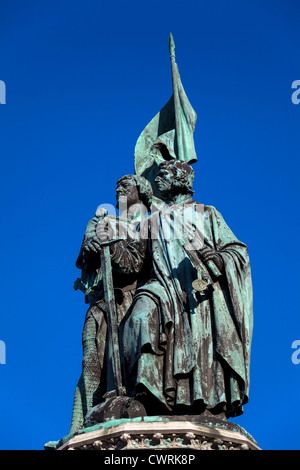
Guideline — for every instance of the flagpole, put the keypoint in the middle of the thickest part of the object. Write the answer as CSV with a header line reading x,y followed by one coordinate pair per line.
x,y
175,74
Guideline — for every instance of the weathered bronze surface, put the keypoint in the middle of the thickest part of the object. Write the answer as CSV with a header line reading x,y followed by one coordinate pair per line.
x,y
181,352
169,325
109,288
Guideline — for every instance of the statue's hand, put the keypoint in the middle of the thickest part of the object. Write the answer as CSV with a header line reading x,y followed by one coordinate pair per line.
x,y
208,254
93,246
101,212
107,228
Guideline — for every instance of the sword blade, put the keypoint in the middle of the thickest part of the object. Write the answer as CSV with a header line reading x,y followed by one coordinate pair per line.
x,y
111,315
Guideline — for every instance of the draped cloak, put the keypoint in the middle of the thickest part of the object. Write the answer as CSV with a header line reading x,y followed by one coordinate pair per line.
x,y
192,349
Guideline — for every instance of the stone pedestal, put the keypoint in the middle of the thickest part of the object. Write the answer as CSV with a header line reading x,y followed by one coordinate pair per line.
x,y
160,433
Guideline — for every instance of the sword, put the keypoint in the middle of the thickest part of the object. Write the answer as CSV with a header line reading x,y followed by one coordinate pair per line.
x,y
116,404
111,314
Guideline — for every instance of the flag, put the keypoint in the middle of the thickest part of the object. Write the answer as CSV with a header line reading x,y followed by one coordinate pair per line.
x,y
159,139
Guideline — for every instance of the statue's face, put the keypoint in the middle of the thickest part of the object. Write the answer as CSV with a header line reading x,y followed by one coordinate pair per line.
x,y
127,193
164,179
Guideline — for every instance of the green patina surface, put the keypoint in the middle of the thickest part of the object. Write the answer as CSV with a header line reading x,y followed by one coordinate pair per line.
x,y
149,419
148,333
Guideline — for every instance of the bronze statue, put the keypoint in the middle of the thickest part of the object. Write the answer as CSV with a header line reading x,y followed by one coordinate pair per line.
x,y
169,325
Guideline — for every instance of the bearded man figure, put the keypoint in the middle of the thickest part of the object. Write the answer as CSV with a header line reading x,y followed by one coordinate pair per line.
x,y
186,339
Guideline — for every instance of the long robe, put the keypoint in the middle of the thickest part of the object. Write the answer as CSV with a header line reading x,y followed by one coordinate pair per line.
x,y
191,350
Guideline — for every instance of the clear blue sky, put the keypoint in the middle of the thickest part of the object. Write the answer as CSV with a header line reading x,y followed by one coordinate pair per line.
x,y
82,81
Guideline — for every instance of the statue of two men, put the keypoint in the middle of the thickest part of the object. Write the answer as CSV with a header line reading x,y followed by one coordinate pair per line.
x,y
183,349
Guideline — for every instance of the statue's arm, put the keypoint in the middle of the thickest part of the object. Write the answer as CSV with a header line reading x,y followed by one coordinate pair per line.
x,y
219,241
90,247
127,255
210,255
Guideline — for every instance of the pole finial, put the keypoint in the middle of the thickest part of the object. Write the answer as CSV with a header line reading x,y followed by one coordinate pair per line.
x,y
171,45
